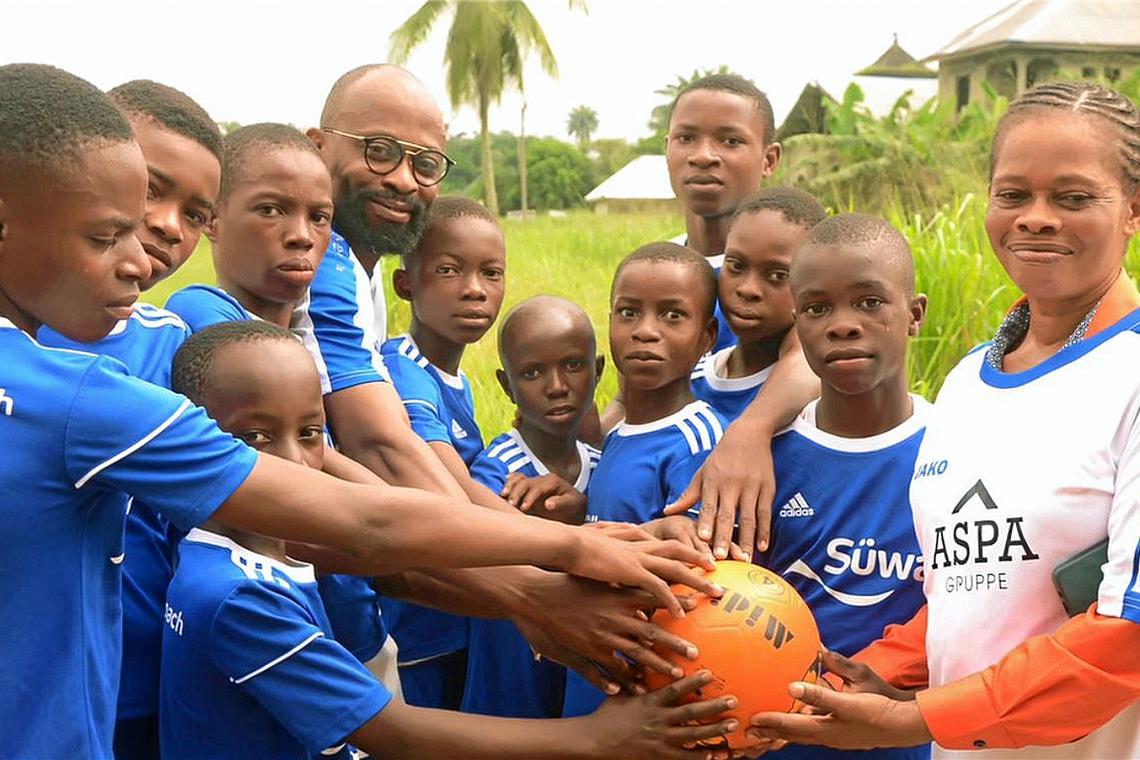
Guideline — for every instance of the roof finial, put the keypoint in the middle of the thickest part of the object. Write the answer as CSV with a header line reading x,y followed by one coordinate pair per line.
x,y
896,36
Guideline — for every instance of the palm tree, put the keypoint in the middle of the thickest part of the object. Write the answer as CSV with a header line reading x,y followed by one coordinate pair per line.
x,y
581,125
486,47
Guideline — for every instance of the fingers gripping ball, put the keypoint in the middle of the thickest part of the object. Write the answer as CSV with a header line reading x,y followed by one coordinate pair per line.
x,y
756,639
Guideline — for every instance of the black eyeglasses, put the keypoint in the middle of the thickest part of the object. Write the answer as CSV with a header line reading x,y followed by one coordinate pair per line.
x,y
383,153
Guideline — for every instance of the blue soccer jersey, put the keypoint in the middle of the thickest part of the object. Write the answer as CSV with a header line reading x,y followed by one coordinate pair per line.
x,y
146,344
729,396
249,665
503,676
346,315
80,432
643,468
441,408
440,405
351,603
843,535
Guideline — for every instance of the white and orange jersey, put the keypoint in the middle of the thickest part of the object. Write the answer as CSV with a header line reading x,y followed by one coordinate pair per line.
x,y
1017,473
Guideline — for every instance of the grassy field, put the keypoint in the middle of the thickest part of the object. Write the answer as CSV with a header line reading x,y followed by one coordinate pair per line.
x,y
575,257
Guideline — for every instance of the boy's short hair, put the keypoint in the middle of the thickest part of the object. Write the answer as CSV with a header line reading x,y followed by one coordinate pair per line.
x,y
678,254
173,109
737,85
540,303
448,208
864,229
264,137
48,116
192,371
795,205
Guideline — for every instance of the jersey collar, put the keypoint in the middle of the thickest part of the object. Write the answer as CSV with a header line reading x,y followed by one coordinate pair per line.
x,y
300,572
541,468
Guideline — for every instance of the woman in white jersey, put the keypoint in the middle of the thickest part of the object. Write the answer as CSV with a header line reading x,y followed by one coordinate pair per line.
x,y
1032,455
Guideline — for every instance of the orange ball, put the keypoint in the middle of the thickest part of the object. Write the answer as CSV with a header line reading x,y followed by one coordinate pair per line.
x,y
755,640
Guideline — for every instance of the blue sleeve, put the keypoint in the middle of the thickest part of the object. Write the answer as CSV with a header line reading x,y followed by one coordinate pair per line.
x,y
269,645
489,471
201,306
342,328
132,436
678,473
421,398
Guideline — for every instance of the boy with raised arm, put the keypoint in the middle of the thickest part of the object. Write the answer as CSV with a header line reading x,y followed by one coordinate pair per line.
x,y
765,231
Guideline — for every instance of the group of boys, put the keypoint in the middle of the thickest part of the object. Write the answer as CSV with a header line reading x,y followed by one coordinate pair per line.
x,y
236,643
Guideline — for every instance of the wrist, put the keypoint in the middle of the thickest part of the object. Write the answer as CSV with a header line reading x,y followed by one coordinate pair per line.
x,y
910,723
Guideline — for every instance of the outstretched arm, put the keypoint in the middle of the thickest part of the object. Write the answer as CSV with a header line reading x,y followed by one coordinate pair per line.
x,y
371,427
1051,689
737,477
649,727
401,528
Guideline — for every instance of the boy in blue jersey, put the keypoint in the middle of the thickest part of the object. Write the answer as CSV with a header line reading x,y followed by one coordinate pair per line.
x,y
454,280
250,668
81,431
271,230
753,288
550,369
181,145
842,533
661,323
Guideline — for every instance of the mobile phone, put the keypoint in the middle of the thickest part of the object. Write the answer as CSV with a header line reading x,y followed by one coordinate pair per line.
x,y
1078,578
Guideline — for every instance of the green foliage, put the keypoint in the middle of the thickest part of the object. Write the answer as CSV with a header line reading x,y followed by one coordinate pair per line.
x,y
607,156
581,125
912,158
560,176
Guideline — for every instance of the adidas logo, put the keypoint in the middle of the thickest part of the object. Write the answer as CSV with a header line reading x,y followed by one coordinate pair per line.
x,y
457,430
797,506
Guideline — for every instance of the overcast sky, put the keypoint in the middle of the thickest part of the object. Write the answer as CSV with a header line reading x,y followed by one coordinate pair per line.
x,y
249,61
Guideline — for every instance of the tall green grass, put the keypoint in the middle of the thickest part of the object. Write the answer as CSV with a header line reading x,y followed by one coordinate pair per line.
x,y
575,256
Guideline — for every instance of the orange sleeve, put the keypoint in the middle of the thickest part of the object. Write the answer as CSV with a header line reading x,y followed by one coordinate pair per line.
x,y
1050,690
899,658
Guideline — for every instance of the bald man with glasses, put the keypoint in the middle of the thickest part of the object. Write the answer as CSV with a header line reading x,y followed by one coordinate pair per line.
x,y
382,138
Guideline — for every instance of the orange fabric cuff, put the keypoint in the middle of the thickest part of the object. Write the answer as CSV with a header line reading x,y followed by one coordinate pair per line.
x,y
961,715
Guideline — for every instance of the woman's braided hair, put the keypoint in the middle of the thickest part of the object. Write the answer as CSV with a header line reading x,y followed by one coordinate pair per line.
x,y
1086,98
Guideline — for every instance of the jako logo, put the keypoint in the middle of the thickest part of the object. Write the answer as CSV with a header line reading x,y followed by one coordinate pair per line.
x,y
936,467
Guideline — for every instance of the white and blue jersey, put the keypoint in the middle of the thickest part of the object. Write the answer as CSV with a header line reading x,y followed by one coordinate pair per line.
x,y
440,405
351,603
503,676
146,344
347,317
441,409
843,536
729,396
643,467
249,664
79,433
